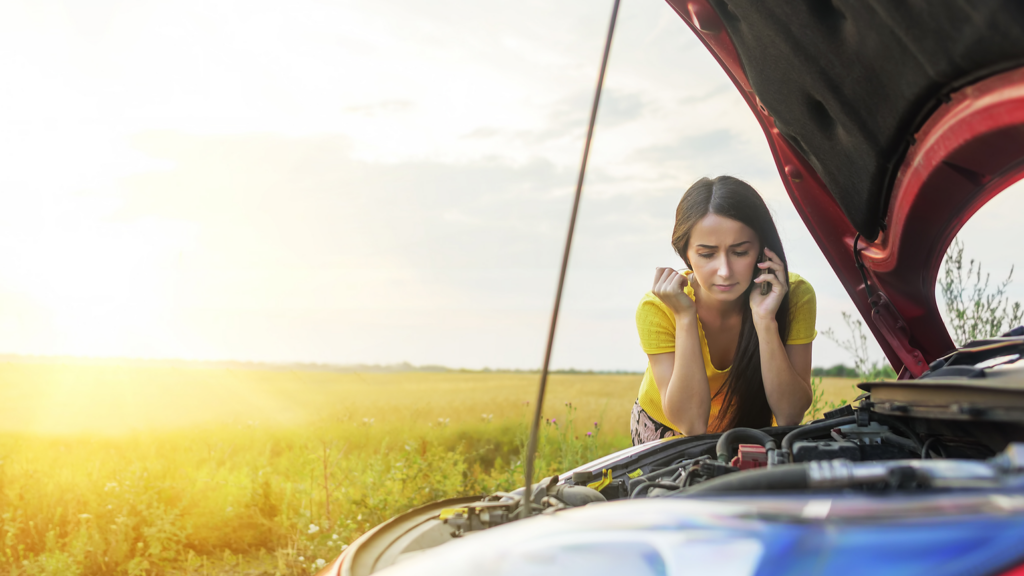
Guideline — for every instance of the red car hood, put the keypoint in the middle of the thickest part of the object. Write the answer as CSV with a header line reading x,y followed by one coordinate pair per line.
x,y
891,123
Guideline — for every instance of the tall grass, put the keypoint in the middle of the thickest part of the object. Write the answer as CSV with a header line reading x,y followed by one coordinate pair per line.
x,y
236,496
153,470
245,497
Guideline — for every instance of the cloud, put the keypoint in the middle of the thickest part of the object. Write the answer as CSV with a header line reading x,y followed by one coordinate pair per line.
x,y
371,182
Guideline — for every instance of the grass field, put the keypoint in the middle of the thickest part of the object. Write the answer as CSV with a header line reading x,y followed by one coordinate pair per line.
x,y
110,468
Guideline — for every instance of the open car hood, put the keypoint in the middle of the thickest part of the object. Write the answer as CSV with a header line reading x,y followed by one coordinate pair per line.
x,y
891,124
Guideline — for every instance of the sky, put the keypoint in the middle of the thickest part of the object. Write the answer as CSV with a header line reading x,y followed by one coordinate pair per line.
x,y
365,182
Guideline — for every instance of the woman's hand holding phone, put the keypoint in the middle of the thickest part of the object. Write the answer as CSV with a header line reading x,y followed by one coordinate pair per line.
x,y
773,284
668,287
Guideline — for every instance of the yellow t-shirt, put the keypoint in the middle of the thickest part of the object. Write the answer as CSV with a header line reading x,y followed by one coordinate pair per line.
x,y
657,328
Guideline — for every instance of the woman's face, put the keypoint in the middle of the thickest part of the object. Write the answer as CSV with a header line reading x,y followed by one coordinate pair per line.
x,y
723,256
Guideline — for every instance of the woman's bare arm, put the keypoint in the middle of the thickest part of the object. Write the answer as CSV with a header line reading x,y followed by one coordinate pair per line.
x,y
685,393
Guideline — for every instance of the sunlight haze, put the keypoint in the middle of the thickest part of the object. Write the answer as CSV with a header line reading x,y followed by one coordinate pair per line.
x,y
374,182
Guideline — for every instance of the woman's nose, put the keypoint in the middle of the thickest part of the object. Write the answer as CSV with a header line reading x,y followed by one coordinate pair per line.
x,y
723,267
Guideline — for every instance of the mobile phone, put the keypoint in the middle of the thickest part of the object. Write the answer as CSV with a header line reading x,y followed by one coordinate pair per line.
x,y
765,286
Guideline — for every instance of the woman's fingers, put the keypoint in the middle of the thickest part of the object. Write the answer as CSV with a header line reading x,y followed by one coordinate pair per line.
x,y
772,278
774,265
772,262
666,281
773,259
661,277
669,288
678,281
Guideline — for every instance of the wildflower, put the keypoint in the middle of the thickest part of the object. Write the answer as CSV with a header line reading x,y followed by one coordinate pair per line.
x,y
334,536
84,516
554,421
589,434
360,517
313,529
320,562
301,559
343,546
595,425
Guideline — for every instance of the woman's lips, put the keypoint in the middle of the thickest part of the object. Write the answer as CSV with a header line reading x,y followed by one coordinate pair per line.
x,y
725,287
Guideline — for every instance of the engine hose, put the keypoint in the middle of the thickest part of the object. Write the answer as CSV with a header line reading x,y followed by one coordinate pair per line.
x,y
779,478
926,449
892,422
811,430
646,487
728,442
633,483
835,475
664,472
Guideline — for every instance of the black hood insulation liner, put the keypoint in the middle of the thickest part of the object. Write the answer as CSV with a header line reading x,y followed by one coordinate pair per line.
x,y
849,82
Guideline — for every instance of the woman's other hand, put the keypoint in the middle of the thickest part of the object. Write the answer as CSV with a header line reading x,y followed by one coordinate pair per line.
x,y
668,287
763,308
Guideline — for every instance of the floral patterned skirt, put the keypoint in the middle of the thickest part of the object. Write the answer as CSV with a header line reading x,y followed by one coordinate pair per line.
x,y
645,429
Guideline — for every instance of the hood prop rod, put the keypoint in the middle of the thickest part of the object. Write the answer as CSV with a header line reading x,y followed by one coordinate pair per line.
x,y
531,448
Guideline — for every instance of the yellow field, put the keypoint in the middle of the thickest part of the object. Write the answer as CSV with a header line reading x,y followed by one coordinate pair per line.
x,y
112,468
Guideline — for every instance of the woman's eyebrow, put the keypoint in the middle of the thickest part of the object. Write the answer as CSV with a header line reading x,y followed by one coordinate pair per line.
x,y
711,247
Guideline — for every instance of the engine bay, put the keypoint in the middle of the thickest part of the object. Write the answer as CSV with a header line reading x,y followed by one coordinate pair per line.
x,y
960,426
850,450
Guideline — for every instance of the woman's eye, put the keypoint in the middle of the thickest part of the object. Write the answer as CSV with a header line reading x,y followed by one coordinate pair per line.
x,y
741,254
707,255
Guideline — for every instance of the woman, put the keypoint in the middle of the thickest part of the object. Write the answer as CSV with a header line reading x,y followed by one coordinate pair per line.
x,y
715,314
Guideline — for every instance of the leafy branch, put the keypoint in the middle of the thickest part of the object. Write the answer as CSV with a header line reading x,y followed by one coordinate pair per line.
x,y
974,312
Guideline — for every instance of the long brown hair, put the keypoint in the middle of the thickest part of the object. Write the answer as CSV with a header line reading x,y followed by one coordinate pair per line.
x,y
744,402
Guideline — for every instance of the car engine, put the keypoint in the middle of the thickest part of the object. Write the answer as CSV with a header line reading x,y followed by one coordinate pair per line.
x,y
849,450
